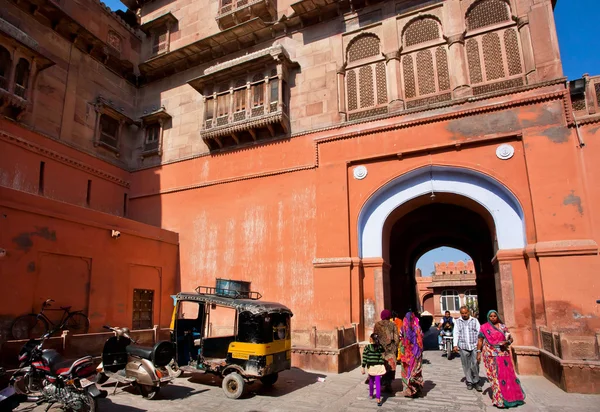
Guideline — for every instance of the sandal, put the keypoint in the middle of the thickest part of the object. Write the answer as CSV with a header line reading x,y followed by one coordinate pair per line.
x,y
379,403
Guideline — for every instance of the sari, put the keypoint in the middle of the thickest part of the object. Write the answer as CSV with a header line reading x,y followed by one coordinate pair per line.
x,y
411,355
506,387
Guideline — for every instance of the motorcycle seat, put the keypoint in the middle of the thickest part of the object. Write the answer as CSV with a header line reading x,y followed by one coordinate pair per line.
x,y
144,352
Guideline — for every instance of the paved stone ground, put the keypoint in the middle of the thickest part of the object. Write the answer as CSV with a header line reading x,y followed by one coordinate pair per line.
x,y
299,391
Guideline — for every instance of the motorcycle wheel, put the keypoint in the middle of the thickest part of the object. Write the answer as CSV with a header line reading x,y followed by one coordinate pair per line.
x,y
448,351
91,405
148,391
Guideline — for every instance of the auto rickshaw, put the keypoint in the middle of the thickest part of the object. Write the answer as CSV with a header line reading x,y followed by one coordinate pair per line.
x,y
255,346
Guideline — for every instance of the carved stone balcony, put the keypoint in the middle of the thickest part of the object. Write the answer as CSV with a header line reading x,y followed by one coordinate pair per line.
x,y
246,99
19,68
233,12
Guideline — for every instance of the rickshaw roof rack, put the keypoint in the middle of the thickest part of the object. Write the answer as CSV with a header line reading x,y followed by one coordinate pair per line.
x,y
227,293
253,306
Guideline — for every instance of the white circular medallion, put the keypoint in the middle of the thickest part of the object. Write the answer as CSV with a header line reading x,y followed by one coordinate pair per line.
x,y
505,151
360,172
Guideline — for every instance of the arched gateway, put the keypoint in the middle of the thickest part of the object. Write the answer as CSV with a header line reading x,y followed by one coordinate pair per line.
x,y
431,207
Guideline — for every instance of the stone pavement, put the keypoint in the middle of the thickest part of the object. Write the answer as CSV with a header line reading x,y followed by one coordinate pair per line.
x,y
299,391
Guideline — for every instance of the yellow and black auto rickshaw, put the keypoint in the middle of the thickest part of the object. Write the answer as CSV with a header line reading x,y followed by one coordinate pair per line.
x,y
229,331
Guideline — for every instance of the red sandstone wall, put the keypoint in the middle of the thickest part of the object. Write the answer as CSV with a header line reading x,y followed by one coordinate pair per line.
x,y
65,93
259,230
59,247
55,250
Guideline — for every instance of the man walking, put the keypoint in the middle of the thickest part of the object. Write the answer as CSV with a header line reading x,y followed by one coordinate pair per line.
x,y
466,333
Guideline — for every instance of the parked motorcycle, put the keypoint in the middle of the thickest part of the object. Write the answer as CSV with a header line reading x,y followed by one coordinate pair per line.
x,y
44,376
9,398
447,341
147,368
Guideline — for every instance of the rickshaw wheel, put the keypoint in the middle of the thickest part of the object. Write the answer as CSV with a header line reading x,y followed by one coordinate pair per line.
x,y
269,380
233,385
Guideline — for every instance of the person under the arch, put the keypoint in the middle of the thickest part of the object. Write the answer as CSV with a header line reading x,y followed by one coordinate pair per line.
x,y
494,340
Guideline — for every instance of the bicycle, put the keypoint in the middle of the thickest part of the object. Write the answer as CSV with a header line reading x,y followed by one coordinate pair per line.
x,y
33,325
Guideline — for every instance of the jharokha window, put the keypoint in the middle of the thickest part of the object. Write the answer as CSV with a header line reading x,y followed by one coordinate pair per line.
x,y
109,131
5,64
245,100
425,63
153,125
366,84
21,78
493,47
110,125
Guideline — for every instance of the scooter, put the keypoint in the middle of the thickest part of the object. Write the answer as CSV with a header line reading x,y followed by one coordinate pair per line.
x,y
147,368
9,398
448,343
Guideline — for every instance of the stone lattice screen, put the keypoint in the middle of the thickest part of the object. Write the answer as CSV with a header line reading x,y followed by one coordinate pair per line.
x,y
366,79
487,13
425,70
494,56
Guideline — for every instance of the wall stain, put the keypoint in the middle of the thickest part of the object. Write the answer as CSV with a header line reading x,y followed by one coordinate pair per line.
x,y
573,200
31,267
489,123
24,240
558,134
540,117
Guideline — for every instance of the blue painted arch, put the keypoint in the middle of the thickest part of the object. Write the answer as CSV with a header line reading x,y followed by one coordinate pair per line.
x,y
501,204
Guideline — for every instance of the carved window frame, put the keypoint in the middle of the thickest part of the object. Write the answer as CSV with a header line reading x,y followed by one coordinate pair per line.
x,y
153,124
355,72
103,108
415,92
257,90
8,67
479,75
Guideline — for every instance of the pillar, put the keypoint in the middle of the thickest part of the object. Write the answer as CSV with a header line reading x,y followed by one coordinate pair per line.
x,y
457,63
394,81
376,279
528,58
341,86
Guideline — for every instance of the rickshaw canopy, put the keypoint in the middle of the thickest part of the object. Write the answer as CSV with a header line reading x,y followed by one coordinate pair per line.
x,y
253,306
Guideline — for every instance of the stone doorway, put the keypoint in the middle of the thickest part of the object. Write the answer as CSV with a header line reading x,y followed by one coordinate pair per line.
x,y
430,207
425,224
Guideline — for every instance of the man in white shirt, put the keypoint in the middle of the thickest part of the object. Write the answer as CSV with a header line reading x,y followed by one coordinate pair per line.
x,y
466,334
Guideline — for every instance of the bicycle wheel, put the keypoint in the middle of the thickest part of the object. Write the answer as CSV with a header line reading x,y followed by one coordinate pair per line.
x,y
29,327
77,323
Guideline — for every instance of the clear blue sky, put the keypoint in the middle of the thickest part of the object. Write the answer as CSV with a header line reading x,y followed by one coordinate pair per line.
x,y
576,23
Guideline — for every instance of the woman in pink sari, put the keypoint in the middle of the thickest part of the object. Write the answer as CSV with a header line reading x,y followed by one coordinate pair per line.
x,y
493,343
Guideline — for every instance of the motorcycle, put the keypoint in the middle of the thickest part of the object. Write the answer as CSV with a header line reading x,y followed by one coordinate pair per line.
x,y
46,377
447,343
9,398
147,368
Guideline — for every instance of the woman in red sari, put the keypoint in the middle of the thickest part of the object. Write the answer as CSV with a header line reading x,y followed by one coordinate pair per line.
x,y
493,343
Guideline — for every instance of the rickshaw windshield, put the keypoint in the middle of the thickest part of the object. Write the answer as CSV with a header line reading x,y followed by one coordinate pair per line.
x,y
263,328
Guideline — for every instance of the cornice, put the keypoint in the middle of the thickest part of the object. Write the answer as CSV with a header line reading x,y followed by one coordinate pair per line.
x,y
446,116
366,131
69,161
333,262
